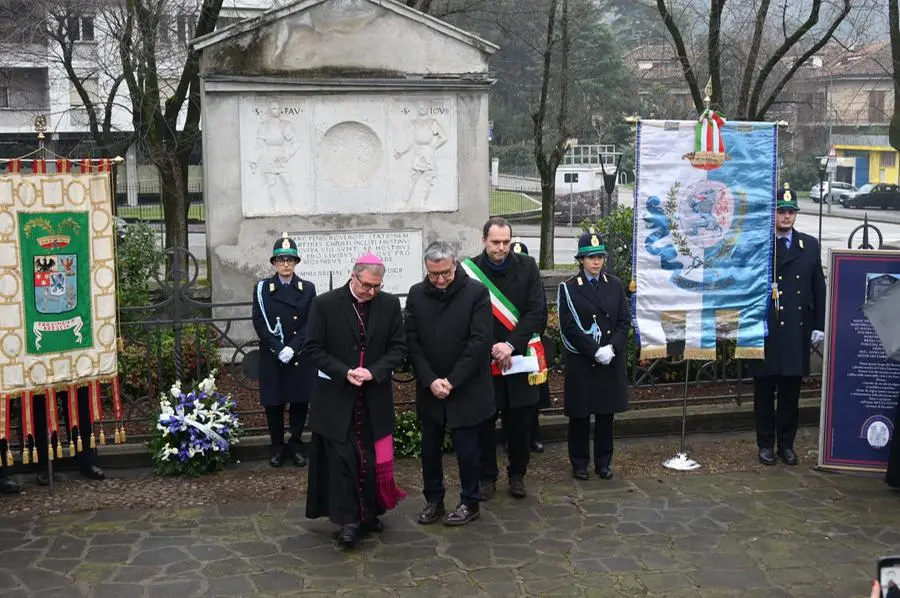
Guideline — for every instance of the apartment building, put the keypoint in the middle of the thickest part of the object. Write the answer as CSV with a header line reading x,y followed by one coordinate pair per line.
x,y
34,80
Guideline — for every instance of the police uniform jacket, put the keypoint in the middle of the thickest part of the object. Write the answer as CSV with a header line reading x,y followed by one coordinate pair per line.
x,y
333,345
591,387
450,335
800,309
290,382
521,284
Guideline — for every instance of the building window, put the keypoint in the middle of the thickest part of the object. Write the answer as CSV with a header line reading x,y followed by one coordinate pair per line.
x,y
876,106
888,159
80,28
4,97
78,115
818,107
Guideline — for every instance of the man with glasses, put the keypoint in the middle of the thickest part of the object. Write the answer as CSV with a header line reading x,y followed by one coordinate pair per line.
x,y
449,331
796,319
356,340
281,306
520,316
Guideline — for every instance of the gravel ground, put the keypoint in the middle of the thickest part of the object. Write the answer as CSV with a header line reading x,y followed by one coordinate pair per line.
x,y
256,481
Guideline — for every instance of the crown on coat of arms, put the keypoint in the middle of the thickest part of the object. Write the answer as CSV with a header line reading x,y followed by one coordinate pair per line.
x,y
54,241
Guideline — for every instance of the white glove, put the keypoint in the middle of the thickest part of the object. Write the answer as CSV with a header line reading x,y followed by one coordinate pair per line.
x,y
286,354
604,354
817,337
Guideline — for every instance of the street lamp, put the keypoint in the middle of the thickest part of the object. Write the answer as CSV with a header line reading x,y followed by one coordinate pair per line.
x,y
823,170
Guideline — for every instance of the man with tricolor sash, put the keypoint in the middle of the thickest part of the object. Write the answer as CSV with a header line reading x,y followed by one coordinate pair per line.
x,y
520,316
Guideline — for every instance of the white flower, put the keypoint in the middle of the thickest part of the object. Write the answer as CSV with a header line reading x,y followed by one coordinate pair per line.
x,y
208,385
175,391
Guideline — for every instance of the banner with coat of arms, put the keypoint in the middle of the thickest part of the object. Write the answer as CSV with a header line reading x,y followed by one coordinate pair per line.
x,y
704,220
58,327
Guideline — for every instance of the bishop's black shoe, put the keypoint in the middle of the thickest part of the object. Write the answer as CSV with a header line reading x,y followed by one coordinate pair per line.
x,y
580,473
431,513
298,459
537,446
605,473
462,515
349,535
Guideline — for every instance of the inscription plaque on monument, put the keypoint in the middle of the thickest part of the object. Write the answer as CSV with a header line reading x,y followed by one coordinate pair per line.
x,y
333,253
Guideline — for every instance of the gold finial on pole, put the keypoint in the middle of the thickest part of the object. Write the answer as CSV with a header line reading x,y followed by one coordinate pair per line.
x,y
40,125
708,90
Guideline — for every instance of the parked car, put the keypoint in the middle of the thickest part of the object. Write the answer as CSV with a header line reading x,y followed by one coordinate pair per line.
x,y
833,191
874,195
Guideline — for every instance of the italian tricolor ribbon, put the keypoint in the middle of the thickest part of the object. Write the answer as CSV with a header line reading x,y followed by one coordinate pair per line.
x,y
508,315
708,133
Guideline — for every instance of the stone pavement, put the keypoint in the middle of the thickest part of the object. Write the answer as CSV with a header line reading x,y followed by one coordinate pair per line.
x,y
780,532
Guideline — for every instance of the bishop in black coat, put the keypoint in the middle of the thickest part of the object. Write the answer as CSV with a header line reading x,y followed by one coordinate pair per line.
x,y
355,339
281,307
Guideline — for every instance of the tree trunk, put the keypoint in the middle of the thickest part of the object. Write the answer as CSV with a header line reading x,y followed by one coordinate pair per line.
x,y
548,224
173,176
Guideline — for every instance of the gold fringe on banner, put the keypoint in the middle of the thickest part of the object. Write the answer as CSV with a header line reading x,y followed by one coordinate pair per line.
x,y
10,458
59,451
699,354
749,353
49,450
653,352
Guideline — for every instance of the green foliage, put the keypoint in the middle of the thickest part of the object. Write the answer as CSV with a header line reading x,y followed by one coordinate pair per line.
x,y
148,358
802,173
137,260
618,229
408,436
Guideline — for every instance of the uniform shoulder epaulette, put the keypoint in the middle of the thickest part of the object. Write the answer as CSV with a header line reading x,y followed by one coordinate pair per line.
x,y
300,284
271,287
574,280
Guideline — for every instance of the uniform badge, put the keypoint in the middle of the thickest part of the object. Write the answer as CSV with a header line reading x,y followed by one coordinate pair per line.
x,y
800,242
788,196
271,287
580,282
299,285
595,242
517,248
604,278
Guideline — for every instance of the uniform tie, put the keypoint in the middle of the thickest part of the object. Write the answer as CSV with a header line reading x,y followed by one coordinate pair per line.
x,y
595,282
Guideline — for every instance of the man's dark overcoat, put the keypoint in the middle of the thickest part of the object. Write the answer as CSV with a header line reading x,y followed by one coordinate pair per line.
x,y
521,284
450,333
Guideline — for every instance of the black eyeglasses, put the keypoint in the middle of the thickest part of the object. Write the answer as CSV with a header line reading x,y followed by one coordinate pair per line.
x,y
285,260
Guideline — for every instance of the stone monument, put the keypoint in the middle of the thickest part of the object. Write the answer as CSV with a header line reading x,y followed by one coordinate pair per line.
x,y
350,124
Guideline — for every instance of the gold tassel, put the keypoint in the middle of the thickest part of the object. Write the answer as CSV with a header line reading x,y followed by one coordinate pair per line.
x,y
72,448
10,458
34,458
50,451
102,437
120,344
116,438
80,445
26,459
93,441
632,286
122,435
59,452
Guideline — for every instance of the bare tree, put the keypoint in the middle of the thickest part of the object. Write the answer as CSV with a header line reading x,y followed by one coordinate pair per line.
x,y
799,39
894,24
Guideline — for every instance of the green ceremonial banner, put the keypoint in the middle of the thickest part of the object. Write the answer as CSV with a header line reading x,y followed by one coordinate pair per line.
x,y
56,270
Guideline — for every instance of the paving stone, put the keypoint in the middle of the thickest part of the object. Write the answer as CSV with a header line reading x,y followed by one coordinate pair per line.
x,y
208,552
38,579
108,554
67,592
19,559
115,590
174,589
135,574
158,557
61,566
236,585
731,578
253,548
277,582
119,538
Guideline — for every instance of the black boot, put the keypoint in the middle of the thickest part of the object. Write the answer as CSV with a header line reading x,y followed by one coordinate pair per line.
x,y
8,486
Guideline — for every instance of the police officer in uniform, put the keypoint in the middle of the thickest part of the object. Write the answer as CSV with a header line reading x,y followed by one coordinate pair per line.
x,y
280,312
594,319
796,319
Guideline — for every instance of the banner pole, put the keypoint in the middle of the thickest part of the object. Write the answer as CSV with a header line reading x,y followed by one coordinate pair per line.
x,y
681,461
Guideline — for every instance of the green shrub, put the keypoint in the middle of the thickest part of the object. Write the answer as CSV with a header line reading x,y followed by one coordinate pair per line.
x,y
408,436
138,260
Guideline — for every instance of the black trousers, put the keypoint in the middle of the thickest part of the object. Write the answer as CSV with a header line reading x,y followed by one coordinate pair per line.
x,y
776,425
296,423
517,428
579,441
465,444
86,457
